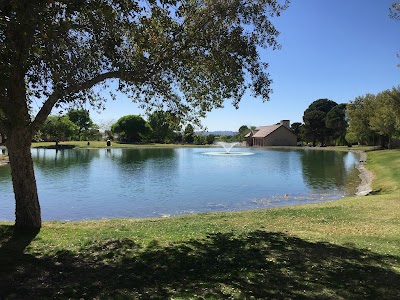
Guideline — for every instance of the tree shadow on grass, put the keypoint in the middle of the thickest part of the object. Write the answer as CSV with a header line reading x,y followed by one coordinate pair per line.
x,y
259,265
12,257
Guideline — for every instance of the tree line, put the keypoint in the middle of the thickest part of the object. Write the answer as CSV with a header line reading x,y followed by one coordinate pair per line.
x,y
160,127
163,127
76,124
367,120
375,119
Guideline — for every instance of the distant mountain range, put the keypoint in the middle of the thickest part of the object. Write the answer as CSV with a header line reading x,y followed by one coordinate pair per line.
x,y
218,133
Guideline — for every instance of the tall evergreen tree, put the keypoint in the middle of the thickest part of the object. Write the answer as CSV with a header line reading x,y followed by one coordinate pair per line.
x,y
336,121
314,118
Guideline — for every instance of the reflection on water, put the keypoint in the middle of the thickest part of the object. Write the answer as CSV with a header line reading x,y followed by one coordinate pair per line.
x,y
324,169
106,183
122,156
5,173
55,162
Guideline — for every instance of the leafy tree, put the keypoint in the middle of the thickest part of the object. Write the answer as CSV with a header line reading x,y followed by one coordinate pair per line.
x,y
200,139
225,138
296,128
178,137
385,119
373,118
58,128
131,128
314,126
324,105
210,139
336,121
359,113
314,118
395,93
38,137
92,133
188,134
81,118
243,130
164,126
186,56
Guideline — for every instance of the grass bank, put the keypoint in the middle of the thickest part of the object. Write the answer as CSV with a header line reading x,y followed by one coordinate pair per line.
x,y
346,249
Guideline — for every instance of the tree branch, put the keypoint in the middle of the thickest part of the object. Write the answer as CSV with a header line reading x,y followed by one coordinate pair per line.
x,y
48,105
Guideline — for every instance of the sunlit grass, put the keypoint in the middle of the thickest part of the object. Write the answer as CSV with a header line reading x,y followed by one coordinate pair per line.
x,y
362,222
347,248
386,164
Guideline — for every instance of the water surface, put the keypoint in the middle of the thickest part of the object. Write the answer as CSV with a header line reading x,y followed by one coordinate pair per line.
x,y
153,182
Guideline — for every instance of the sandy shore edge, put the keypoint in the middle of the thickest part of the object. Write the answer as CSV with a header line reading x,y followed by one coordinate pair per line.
x,y
365,175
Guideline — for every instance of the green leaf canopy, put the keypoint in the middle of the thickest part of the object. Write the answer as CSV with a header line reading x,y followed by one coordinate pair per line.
x,y
184,56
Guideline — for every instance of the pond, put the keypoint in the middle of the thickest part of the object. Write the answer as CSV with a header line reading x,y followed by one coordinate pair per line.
x,y
155,182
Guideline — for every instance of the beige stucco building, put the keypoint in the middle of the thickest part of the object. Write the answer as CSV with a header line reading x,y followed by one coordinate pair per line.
x,y
273,135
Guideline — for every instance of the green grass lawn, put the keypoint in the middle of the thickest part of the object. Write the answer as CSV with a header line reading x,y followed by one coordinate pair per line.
x,y
345,249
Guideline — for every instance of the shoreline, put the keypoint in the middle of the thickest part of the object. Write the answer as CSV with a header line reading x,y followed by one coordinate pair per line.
x,y
365,175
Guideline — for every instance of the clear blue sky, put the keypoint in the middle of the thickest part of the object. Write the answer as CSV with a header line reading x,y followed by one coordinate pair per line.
x,y
330,49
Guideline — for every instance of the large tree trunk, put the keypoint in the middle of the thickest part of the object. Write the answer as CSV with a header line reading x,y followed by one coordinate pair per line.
x,y
27,208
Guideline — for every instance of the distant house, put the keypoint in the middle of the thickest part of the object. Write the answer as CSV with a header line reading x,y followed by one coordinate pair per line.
x,y
273,135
